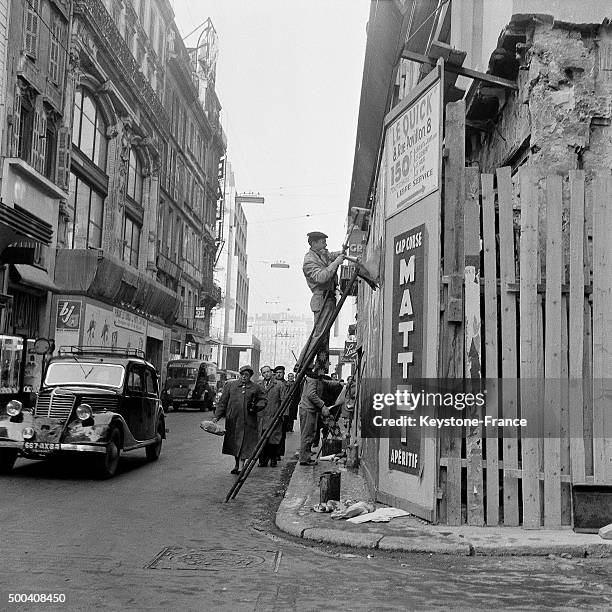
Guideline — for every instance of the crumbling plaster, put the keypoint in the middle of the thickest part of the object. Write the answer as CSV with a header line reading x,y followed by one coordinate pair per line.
x,y
564,102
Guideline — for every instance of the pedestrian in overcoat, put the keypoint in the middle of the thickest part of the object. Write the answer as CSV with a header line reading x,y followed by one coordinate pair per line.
x,y
240,402
274,394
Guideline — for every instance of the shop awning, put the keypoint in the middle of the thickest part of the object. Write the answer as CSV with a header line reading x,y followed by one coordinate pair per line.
x,y
35,277
24,223
195,339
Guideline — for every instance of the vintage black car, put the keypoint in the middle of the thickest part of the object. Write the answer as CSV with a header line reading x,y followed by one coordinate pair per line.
x,y
97,401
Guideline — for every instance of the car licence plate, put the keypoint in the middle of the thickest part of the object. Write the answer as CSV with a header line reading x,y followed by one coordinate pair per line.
x,y
42,447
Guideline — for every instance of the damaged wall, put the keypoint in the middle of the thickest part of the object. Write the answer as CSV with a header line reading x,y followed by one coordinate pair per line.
x,y
563,108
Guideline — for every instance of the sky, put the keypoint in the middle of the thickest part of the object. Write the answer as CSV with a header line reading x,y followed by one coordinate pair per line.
x,y
289,80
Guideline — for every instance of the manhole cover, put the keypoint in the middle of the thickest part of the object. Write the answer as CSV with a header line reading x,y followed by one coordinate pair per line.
x,y
178,558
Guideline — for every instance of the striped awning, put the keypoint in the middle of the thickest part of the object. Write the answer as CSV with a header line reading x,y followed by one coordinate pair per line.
x,y
26,224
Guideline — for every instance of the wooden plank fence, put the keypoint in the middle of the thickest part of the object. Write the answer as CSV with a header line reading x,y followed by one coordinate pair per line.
x,y
537,322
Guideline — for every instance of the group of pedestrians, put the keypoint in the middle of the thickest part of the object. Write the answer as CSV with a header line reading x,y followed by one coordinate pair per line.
x,y
249,408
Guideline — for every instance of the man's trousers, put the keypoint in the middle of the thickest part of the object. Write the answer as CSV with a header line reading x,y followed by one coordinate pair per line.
x,y
308,425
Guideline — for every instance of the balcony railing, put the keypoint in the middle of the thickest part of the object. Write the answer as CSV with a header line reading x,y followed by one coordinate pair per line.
x,y
210,292
96,13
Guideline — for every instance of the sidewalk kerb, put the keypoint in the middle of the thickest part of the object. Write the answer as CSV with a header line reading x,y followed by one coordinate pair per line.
x,y
345,538
417,545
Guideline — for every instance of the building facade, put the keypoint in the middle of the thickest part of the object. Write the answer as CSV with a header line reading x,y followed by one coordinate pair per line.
x,y
108,121
282,336
237,345
491,245
34,119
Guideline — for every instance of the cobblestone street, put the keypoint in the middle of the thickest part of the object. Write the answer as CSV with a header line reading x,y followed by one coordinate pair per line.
x,y
159,536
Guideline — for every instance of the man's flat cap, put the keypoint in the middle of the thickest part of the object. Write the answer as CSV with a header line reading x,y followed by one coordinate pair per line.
x,y
279,369
246,368
316,235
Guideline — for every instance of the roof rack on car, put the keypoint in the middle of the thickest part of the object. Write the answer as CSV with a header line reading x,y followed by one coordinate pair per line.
x,y
105,350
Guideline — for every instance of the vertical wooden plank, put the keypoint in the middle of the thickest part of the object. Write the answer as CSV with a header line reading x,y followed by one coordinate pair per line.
x,y
602,326
552,358
508,397
473,342
490,328
451,342
576,326
528,346
566,496
587,353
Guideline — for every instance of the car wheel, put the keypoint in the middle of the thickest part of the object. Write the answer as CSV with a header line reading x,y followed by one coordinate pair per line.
x,y
154,451
8,456
107,463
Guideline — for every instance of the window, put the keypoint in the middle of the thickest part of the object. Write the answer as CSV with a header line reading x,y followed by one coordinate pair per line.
x,y
86,207
150,383
30,27
50,148
89,129
56,50
135,380
131,241
134,182
26,129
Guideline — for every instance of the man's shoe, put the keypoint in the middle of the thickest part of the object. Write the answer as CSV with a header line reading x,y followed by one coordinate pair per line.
x,y
310,462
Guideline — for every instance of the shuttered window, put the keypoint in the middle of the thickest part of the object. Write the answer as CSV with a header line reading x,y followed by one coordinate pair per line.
x,y
31,27
56,51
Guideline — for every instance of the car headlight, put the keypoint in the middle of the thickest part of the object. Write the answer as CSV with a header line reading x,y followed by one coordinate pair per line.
x,y
28,433
14,407
189,394
84,412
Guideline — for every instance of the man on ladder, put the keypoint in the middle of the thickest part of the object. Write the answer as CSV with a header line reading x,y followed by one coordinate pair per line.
x,y
320,267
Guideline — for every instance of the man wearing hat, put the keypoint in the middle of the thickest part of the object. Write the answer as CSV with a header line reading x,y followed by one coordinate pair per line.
x,y
279,375
239,403
275,393
320,267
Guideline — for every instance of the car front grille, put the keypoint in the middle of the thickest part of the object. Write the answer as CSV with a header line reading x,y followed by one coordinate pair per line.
x,y
56,405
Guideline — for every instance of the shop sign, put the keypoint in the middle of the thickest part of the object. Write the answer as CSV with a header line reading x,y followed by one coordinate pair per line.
x,y
350,351
68,315
356,242
407,339
200,312
129,320
412,151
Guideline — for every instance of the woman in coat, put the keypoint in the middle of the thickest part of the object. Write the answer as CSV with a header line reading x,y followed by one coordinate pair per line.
x,y
239,403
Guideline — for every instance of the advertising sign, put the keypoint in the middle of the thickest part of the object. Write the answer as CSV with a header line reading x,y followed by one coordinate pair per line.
x,y
113,328
407,322
129,320
412,150
68,316
200,312
350,351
